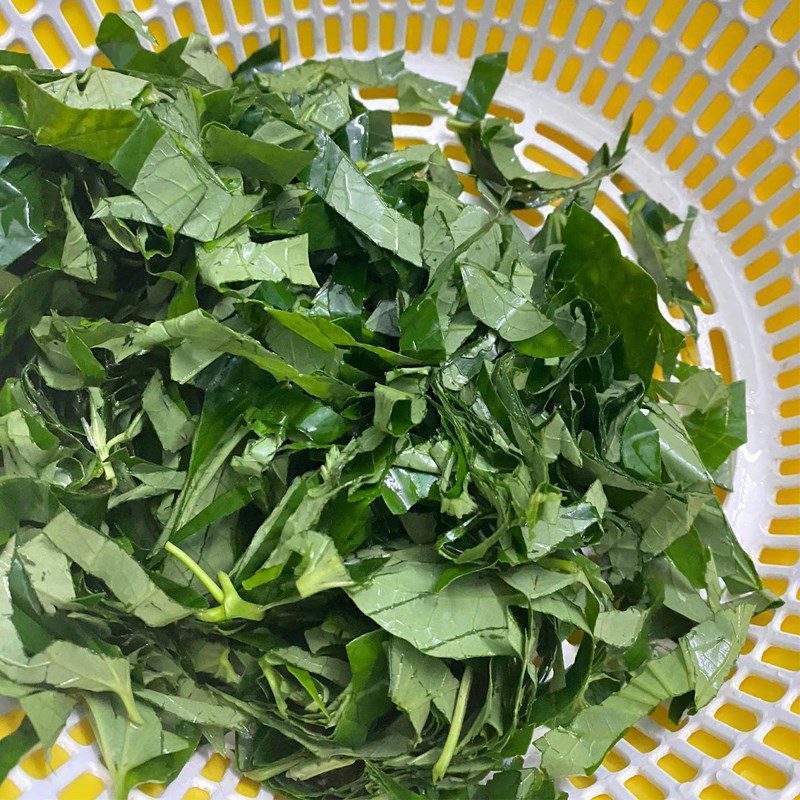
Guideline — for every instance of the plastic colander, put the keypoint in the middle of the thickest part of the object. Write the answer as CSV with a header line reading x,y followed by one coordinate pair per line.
x,y
713,89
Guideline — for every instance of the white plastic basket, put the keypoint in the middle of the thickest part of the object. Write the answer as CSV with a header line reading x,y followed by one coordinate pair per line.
x,y
713,89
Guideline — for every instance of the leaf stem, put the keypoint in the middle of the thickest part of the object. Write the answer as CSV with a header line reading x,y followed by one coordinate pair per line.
x,y
196,570
460,711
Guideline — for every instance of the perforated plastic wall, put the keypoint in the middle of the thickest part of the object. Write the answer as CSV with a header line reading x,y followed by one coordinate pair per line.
x,y
713,89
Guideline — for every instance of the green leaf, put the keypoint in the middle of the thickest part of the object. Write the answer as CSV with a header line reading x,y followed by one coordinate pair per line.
x,y
125,577
23,200
186,195
509,312
623,294
711,649
418,94
197,339
417,681
487,72
236,258
48,712
126,746
367,698
337,180
400,597
262,159
168,414
641,452
64,665
582,745
96,133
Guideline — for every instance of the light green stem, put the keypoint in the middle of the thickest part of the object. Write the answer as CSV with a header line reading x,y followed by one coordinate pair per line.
x,y
450,743
196,570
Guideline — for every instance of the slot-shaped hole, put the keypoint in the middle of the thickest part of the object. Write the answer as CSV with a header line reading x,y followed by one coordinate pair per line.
x,y
714,196
615,761
699,25
78,21
749,239
681,152
643,789
782,557
661,717
215,19
734,215
717,792
728,43
790,438
762,265
642,57
783,319
677,768
713,113
243,11
709,744
84,787
215,768
788,210
569,72
38,766
616,42
755,157
668,13
51,42
184,20
791,624
774,291
691,93
698,174
753,66
779,87
532,12
561,18
641,741
386,31
736,717
616,101
589,29
784,740
518,54
764,689
720,353
760,773
411,118
593,86
359,25
227,56
305,37
441,35
786,349
333,35
666,76
544,63
782,657
788,379
787,526
414,26
659,135
789,125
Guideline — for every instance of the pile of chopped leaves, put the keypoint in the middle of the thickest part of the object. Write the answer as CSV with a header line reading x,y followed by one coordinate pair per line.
x,y
305,458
